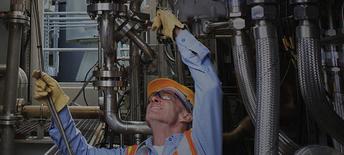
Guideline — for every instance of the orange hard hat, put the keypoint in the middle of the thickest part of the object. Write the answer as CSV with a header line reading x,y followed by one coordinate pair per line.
x,y
163,83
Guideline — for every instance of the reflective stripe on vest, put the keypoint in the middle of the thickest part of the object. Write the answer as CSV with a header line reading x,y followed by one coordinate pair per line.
x,y
186,146
131,150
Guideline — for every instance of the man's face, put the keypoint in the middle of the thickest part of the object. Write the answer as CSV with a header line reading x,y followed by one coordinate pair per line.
x,y
164,107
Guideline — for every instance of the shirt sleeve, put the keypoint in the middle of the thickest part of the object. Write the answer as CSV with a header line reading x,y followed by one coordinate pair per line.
x,y
207,113
77,141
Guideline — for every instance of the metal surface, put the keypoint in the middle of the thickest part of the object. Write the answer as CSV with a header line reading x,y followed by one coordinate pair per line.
x,y
117,124
311,83
149,53
15,28
106,83
59,125
78,112
265,33
204,9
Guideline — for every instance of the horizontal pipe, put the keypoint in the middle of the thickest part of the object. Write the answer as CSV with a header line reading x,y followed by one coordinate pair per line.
x,y
65,13
70,49
69,25
67,18
78,112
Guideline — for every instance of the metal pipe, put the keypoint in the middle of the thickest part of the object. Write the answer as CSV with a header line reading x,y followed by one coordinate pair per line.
x,y
59,125
117,124
65,13
311,83
10,94
135,68
149,53
78,112
67,18
106,39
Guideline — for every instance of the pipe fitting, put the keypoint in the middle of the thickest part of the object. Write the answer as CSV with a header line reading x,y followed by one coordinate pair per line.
x,y
237,23
260,12
302,1
257,2
303,12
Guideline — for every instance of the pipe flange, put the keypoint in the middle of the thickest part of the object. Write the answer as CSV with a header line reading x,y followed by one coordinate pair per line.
x,y
17,17
8,120
108,83
108,74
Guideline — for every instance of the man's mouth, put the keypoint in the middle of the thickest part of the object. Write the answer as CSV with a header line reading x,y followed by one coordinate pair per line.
x,y
155,108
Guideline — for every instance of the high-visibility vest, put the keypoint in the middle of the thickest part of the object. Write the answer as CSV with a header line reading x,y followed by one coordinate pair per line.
x,y
186,146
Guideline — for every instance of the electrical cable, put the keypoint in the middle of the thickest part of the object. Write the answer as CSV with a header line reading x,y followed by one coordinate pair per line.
x,y
83,86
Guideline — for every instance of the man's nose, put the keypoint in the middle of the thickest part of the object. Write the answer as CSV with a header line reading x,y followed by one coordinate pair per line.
x,y
155,99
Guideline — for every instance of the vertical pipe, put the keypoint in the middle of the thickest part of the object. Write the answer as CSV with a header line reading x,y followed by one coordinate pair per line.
x,y
10,95
335,69
135,84
106,40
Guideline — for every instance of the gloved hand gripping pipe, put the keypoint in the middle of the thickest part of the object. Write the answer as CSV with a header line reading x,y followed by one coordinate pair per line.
x,y
311,83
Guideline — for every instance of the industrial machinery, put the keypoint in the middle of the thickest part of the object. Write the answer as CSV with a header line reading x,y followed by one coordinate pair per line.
x,y
281,66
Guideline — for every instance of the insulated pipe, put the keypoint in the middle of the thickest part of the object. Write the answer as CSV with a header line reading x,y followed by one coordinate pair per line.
x,y
116,123
265,33
311,83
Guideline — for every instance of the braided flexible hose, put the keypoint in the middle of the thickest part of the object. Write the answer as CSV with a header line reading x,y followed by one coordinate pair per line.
x,y
267,89
245,76
311,83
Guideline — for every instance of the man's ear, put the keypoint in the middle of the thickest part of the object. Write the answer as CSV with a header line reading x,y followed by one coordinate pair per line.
x,y
185,117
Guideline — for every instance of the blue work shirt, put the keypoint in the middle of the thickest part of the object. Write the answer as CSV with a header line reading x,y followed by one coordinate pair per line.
x,y
207,113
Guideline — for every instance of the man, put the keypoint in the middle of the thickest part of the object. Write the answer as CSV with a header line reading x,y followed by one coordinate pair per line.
x,y
172,107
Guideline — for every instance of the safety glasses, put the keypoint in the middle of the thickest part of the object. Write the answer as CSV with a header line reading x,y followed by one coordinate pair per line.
x,y
169,95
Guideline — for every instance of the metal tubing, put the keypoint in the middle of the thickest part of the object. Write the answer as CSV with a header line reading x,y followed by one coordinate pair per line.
x,y
135,97
311,83
246,80
117,124
10,93
266,139
78,112
141,44
65,13
59,125
106,39
70,49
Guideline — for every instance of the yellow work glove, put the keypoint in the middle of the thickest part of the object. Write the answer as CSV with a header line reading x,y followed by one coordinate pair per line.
x,y
46,85
166,21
